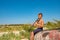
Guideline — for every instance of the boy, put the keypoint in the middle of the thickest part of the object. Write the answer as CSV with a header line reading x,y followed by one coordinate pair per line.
x,y
39,24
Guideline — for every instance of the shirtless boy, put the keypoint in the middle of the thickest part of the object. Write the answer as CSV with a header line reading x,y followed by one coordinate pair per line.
x,y
39,24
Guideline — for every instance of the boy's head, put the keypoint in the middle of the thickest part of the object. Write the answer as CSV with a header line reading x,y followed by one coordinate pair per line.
x,y
40,15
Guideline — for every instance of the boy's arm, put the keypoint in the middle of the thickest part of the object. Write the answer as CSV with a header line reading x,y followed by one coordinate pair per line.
x,y
41,24
35,24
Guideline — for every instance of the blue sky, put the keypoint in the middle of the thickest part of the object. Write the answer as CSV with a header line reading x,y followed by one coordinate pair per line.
x,y
26,11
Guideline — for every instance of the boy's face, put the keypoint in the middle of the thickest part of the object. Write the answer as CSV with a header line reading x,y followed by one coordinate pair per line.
x,y
39,16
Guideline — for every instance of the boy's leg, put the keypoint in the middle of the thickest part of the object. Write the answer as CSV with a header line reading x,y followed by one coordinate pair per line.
x,y
32,36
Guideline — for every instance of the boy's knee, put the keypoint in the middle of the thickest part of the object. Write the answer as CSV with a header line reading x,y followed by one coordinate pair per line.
x,y
32,33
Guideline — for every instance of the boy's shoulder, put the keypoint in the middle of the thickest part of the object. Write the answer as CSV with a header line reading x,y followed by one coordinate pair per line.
x,y
42,20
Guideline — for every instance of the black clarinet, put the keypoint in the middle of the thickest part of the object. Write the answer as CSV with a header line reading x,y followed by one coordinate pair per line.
x,y
36,21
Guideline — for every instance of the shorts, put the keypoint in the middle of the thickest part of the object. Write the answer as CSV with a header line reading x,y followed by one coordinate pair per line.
x,y
37,30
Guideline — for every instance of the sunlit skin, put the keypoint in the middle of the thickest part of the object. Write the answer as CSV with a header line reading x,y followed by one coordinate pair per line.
x,y
41,22
38,25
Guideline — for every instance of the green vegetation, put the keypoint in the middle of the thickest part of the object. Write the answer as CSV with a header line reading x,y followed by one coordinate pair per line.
x,y
24,30
16,27
10,36
53,25
27,28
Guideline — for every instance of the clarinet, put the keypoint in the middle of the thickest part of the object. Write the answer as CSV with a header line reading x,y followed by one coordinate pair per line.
x,y
36,21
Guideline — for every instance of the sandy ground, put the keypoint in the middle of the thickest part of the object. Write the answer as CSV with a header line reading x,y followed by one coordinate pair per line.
x,y
15,32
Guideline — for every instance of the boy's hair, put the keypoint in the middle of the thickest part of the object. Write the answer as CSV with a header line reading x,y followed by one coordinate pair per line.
x,y
40,14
